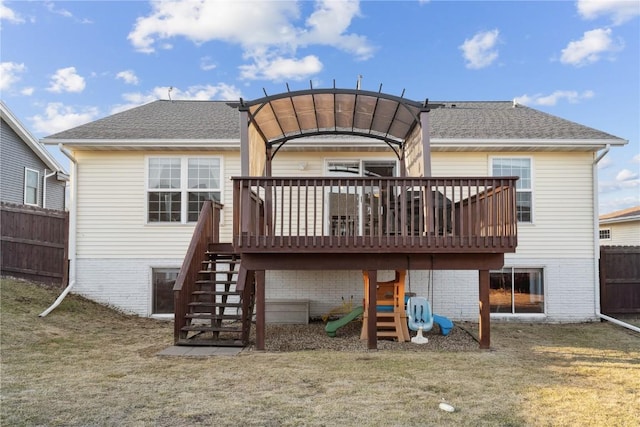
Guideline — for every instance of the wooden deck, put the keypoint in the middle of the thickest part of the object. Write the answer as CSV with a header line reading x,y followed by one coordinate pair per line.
x,y
368,224
374,215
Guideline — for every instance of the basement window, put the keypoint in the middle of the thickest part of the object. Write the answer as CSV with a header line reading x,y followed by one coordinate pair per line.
x,y
162,293
516,291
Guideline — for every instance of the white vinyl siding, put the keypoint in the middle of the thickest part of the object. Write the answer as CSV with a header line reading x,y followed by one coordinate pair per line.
x,y
562,201
622,233
112,207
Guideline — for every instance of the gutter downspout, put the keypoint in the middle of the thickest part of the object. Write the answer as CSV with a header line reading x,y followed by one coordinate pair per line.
x,y
44,187
72,230
596,246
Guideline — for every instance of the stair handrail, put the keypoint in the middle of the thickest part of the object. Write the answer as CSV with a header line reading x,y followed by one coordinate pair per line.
x,y
206,231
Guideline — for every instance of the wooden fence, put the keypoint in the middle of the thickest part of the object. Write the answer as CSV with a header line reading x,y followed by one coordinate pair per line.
x,y
35,243
619,279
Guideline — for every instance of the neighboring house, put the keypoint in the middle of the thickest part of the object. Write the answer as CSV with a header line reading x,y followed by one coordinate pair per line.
x,y
620,228
29,173
140,177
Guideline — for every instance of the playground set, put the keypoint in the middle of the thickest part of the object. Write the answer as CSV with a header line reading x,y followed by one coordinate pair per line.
x,y
396,312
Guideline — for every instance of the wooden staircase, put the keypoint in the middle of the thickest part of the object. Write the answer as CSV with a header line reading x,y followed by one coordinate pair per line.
x,y
219,311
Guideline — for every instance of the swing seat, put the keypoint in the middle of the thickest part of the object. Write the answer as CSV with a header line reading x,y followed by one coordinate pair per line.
x,y
419,314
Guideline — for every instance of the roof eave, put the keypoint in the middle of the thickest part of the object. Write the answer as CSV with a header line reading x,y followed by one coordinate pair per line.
x,y
143,143
506,143
618,220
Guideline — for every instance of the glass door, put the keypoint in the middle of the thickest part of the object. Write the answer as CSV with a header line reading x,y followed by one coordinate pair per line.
x,y
357,210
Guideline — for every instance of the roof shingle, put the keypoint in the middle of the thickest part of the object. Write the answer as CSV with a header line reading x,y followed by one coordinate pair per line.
x,y
220,120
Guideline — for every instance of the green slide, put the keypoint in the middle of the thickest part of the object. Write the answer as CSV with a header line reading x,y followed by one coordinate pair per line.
x,y
334,325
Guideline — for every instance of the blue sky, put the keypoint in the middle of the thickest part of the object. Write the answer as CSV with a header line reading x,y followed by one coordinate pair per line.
x,y
63,64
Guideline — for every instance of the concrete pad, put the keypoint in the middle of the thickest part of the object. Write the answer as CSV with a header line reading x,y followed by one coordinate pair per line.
x,y
199,351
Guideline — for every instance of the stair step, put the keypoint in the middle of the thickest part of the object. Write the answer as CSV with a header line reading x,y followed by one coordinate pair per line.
x,y
218,271
210,343
386,324
205,328
385,314
226,258
215,304
215,282
221,293
388,334
209,316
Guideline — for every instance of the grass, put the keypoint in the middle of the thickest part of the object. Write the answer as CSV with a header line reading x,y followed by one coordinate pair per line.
x,y
85,364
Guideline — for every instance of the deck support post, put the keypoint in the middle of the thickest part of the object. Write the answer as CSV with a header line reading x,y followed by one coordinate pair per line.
x,y
244,142
484,326
372,316
260,309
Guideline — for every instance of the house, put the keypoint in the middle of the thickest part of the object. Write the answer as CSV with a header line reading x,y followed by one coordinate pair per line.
x,y
489,207
29,173
621,228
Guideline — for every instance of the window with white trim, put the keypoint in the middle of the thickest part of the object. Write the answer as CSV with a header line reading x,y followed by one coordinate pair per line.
x,y
516,290
520,167
605,234
178,186
31,186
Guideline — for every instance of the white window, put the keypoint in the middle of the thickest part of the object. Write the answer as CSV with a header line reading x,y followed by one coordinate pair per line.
x,y
162,290
520,167
605,234
178,186
516,290
31,186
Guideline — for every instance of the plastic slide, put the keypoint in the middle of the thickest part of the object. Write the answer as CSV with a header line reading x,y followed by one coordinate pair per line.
x,y
445,324
334,325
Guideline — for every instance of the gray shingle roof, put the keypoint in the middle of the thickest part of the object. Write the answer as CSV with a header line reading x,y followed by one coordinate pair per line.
x,y
219,120
164,120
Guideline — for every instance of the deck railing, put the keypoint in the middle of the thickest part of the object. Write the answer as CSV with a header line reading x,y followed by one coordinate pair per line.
x,y
206,231
375,214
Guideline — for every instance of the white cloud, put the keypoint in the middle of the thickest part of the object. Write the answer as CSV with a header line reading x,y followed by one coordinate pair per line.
x,y
51,7
618,203
328,25
479,51
9,74
9,15
281,68
128,76
626,175
58,117
66,80
636,159
27,91
605,163
266,34
590,48
620,11
220,91
571,96
206,63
